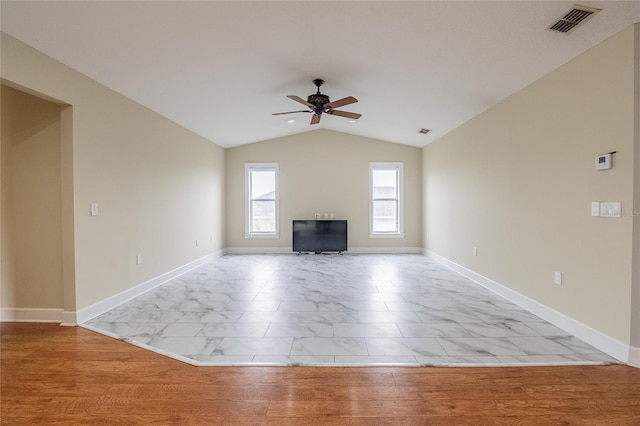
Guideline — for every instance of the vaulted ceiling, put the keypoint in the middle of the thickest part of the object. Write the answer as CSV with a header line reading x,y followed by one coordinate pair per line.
x,y
221,69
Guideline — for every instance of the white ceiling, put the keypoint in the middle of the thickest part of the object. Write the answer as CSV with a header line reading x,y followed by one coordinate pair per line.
x,y
221,68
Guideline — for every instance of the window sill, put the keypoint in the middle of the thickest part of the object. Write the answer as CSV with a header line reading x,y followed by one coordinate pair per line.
x,y
274,236
387,235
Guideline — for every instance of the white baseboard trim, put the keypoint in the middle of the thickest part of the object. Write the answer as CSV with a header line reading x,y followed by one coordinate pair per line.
x,y
350,250
605,343
98,308
30,315
69,318
385,250
634,356
258,250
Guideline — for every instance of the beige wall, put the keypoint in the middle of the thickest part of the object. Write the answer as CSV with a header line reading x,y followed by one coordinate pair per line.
x,y
31,216
159,187
517,182
326,172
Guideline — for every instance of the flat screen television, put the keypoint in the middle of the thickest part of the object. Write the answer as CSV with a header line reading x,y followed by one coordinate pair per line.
x,y
319,236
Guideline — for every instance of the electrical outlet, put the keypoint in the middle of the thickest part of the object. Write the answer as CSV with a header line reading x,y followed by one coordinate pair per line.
x,y
557,278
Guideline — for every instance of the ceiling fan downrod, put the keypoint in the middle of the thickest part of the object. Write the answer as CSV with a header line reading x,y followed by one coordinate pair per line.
x,y
318,82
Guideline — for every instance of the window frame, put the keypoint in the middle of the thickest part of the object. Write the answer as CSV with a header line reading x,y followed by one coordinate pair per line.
x,y
399,167
260,167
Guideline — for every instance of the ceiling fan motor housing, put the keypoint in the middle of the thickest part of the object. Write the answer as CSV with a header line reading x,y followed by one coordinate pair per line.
x,y
318,100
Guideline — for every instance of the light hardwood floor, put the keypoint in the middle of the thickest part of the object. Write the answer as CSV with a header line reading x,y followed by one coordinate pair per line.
x,y
70,375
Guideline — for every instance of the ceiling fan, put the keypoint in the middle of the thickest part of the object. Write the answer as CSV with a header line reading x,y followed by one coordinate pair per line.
x,y
319,103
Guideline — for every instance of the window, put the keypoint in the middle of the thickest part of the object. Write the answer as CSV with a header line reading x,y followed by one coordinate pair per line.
x,y
385,201
261,180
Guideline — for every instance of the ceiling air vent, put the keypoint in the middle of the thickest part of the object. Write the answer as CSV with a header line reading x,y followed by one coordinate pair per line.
x,y
574,17
424,131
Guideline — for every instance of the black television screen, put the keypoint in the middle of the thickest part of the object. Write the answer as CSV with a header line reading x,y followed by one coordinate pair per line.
x,y
319,235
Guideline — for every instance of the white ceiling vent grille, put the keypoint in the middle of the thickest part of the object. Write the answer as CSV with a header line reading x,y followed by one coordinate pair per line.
x,y
574,17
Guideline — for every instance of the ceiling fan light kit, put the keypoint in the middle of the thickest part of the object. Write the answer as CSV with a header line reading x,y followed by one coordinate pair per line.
x,y
319,103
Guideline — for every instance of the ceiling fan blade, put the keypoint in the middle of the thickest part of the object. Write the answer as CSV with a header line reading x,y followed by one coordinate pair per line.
x,y
315,119
290,112
299,99
352,115
340,102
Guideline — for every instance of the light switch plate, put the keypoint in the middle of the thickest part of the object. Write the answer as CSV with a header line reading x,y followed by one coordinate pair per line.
x,y
610,210
595,208
94,209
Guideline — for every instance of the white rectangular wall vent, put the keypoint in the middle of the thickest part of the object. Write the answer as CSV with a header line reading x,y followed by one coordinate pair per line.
x,y
572,18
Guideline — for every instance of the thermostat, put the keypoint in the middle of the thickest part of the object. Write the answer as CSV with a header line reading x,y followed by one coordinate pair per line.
x,y
603,162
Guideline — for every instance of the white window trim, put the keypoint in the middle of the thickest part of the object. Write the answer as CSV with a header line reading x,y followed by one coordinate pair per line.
x,y
248,168
387,165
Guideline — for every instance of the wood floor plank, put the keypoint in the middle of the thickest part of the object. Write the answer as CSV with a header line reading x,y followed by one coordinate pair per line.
x,y
72,376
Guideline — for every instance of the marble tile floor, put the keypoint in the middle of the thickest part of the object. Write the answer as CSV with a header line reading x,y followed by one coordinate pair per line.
x,y
339,310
